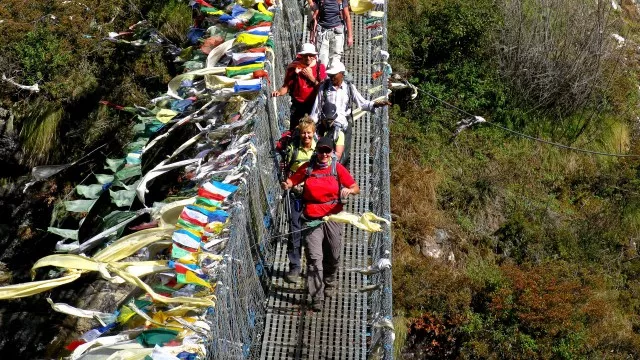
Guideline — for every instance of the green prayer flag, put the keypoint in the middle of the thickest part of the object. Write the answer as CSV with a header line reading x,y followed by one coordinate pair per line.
x,y
104,178
129,172
259,17
178,252
114,164
89,191
207,202
193,65
163,288
79,205
65,233
211,10
122,197
116,217
153,337
189,225
141,303
136,145
138,128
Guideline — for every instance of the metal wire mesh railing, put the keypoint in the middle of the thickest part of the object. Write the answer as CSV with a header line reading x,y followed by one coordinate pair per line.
x,y
239,316
238,319
381,302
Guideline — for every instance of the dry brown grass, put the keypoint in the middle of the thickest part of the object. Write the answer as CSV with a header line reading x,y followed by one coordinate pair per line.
x,y
413,199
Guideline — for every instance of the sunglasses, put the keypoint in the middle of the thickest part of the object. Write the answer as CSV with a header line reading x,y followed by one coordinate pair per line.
x,y
324,150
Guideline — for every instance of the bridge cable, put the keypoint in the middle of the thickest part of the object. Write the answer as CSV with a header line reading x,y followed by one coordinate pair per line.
x,y
563,146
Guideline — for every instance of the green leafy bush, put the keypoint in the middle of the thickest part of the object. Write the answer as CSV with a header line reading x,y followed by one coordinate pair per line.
x,y
546,259
41,55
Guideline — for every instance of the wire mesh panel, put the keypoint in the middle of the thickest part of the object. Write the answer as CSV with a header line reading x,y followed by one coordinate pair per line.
x,y
239,314
257,313
380,301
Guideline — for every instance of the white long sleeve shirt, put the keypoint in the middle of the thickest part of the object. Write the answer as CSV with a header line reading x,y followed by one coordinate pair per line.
x,y
340,97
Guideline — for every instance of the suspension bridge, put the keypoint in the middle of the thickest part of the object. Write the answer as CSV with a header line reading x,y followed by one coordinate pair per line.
x,y
254,313
355,323
345,328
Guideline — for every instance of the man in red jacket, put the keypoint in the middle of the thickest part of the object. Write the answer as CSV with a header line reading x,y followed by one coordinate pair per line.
x,y
327,182
301,80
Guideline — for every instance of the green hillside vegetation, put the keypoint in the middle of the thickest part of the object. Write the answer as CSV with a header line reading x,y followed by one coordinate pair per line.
x,y
544,240
545,262
61,47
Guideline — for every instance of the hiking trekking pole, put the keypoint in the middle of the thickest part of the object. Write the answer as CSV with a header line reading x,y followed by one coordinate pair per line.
x,y
288,195
287,210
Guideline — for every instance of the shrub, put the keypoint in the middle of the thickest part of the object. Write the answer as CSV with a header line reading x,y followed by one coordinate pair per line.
x,y
41,55
173,20
39,133
556,54
546,238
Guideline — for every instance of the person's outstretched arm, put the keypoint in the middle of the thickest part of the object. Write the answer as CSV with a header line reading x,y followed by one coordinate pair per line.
x,y
346,180
340,145
365,104
296,178
347,20
360,101
351,190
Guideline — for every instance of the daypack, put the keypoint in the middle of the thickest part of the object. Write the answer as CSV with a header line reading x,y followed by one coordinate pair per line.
x,y
283,142
289,138
334,173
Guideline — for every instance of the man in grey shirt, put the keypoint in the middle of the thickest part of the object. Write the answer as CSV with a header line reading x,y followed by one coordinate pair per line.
x,y
331,16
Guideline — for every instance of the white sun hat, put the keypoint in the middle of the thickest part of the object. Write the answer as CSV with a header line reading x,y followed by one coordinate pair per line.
x,y
336,67
308,49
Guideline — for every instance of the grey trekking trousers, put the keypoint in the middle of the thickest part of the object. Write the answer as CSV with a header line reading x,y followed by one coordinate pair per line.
x,y
324,246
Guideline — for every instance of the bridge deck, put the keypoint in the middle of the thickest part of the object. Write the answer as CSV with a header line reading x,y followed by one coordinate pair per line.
x,y
292,330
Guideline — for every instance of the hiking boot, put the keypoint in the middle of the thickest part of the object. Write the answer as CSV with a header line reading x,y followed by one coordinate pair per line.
x,y
330,291
292,276
317,305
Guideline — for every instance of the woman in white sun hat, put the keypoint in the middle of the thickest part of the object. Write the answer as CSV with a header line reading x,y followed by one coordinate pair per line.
x,y
301,81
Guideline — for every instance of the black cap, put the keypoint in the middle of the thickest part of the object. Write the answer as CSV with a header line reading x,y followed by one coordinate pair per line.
x,y
325,141
329,111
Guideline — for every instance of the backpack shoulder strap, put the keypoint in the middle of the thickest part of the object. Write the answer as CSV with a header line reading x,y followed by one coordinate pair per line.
x,y
340,8
294,79
310,166
349,90
334,173
294,155
350,96
325,89
334,166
